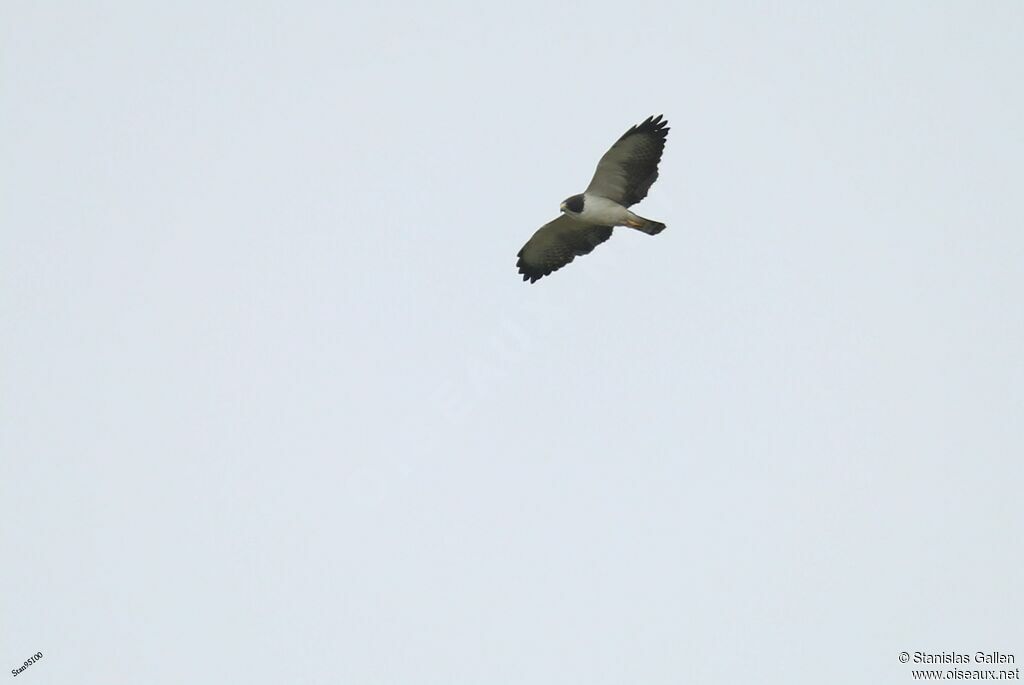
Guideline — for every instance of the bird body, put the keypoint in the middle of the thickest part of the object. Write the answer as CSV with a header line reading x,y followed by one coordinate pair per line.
x,y
604,212
600,210
623,177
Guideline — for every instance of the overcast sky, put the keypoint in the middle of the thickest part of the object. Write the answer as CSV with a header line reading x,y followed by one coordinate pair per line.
x,y
276,406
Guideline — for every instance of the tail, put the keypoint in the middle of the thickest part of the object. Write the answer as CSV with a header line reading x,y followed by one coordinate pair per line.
x,y
646,225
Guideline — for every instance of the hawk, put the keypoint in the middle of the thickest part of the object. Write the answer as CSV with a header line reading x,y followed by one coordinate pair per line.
x,y
623,177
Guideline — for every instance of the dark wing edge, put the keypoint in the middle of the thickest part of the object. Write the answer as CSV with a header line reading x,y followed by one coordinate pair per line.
x,y
556,244
634,159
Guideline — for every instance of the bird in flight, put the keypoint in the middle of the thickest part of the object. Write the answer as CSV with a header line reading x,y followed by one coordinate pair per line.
x,y
623,177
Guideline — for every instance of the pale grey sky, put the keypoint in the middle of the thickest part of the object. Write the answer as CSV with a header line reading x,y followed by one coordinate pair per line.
x,y
277,407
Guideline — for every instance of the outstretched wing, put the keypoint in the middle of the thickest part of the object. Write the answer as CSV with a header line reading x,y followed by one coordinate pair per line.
x,y
556,244
628,169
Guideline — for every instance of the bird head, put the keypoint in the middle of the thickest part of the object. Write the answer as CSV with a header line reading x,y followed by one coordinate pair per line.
x,y
573,205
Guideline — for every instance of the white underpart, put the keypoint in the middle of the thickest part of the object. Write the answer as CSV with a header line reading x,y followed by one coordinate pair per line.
x,y
602,211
